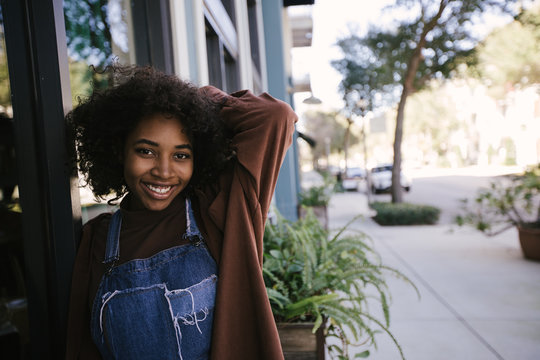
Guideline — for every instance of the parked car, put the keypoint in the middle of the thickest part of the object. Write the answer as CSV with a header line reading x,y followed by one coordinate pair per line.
x,y
381,179
353,178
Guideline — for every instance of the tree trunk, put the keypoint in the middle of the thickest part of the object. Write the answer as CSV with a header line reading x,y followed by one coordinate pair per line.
x,y
346,143
396,190
408,88
368,177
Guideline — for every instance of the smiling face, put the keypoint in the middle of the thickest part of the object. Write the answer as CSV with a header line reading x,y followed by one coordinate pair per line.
x,y
158,162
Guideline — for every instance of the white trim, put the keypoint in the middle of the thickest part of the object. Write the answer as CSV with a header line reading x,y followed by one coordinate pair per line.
x,y
126,6
287,42
262,46
200,41
180,39
244,48
219,18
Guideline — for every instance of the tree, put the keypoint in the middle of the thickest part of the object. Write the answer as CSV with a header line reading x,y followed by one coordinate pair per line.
x,y
519,41
389,64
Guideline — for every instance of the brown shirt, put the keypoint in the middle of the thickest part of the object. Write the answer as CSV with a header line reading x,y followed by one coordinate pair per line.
x,y
231,214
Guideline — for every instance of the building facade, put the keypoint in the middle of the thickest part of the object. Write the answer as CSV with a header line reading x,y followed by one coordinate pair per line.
x,y
46,50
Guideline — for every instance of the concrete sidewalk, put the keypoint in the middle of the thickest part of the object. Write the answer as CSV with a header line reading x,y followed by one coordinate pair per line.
x,y
480,299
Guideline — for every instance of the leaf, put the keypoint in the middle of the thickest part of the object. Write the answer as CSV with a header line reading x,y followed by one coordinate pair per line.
x,y
280,299
318,323
363,354
308,304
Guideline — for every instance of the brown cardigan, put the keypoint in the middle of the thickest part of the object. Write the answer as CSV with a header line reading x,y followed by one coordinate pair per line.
x,y
231,214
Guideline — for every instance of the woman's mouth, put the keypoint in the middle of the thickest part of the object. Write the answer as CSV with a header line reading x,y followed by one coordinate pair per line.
x,y
160,191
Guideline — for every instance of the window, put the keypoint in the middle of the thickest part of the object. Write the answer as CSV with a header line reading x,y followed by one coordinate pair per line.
x,y
102,32
221,45
214,49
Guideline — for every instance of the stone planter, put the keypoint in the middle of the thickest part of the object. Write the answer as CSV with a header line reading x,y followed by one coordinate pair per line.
x,y
299,343
529,238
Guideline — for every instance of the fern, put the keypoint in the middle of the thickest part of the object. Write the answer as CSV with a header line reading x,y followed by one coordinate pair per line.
x,y
312,275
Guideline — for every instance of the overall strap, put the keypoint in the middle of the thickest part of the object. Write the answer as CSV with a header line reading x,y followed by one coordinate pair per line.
x,y
192,230
112,253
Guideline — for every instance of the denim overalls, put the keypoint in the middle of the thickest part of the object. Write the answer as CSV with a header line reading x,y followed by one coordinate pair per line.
x,y
156,308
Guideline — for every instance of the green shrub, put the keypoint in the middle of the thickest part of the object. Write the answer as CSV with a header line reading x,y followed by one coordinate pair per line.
x,y
405,214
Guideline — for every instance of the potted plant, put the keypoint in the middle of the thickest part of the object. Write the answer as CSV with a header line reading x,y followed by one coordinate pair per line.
x,y
325,280
511,202
315,198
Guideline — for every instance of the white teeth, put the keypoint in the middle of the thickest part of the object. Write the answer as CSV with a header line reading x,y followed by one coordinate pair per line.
x,y
159,189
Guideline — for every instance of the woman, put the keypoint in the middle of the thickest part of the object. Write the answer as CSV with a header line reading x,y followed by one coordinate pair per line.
x,y
177,272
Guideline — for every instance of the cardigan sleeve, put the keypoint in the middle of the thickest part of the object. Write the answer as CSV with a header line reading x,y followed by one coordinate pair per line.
x,y
234,213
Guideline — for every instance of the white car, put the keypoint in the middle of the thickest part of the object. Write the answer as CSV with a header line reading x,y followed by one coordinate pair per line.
x,y
381,179
353,178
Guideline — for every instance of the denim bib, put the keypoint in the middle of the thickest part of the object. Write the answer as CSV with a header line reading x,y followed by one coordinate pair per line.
x,y
156,308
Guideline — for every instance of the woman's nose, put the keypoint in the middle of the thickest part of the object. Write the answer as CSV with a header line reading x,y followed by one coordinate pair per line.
x,y
162,168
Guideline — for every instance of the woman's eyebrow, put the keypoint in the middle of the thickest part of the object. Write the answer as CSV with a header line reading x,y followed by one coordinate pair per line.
x,y
184,146
146,141
153,143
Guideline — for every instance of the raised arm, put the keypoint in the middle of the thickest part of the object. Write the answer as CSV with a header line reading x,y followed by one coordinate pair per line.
x,y
262,128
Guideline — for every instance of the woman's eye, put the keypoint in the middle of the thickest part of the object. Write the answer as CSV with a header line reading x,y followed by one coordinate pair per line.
x,y
143,151
182,156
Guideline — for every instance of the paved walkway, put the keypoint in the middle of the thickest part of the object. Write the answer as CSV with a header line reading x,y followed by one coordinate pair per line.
x,y
480,299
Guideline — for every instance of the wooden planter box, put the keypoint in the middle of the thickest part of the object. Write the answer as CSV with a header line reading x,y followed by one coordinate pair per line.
x,y
529,238
299,343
